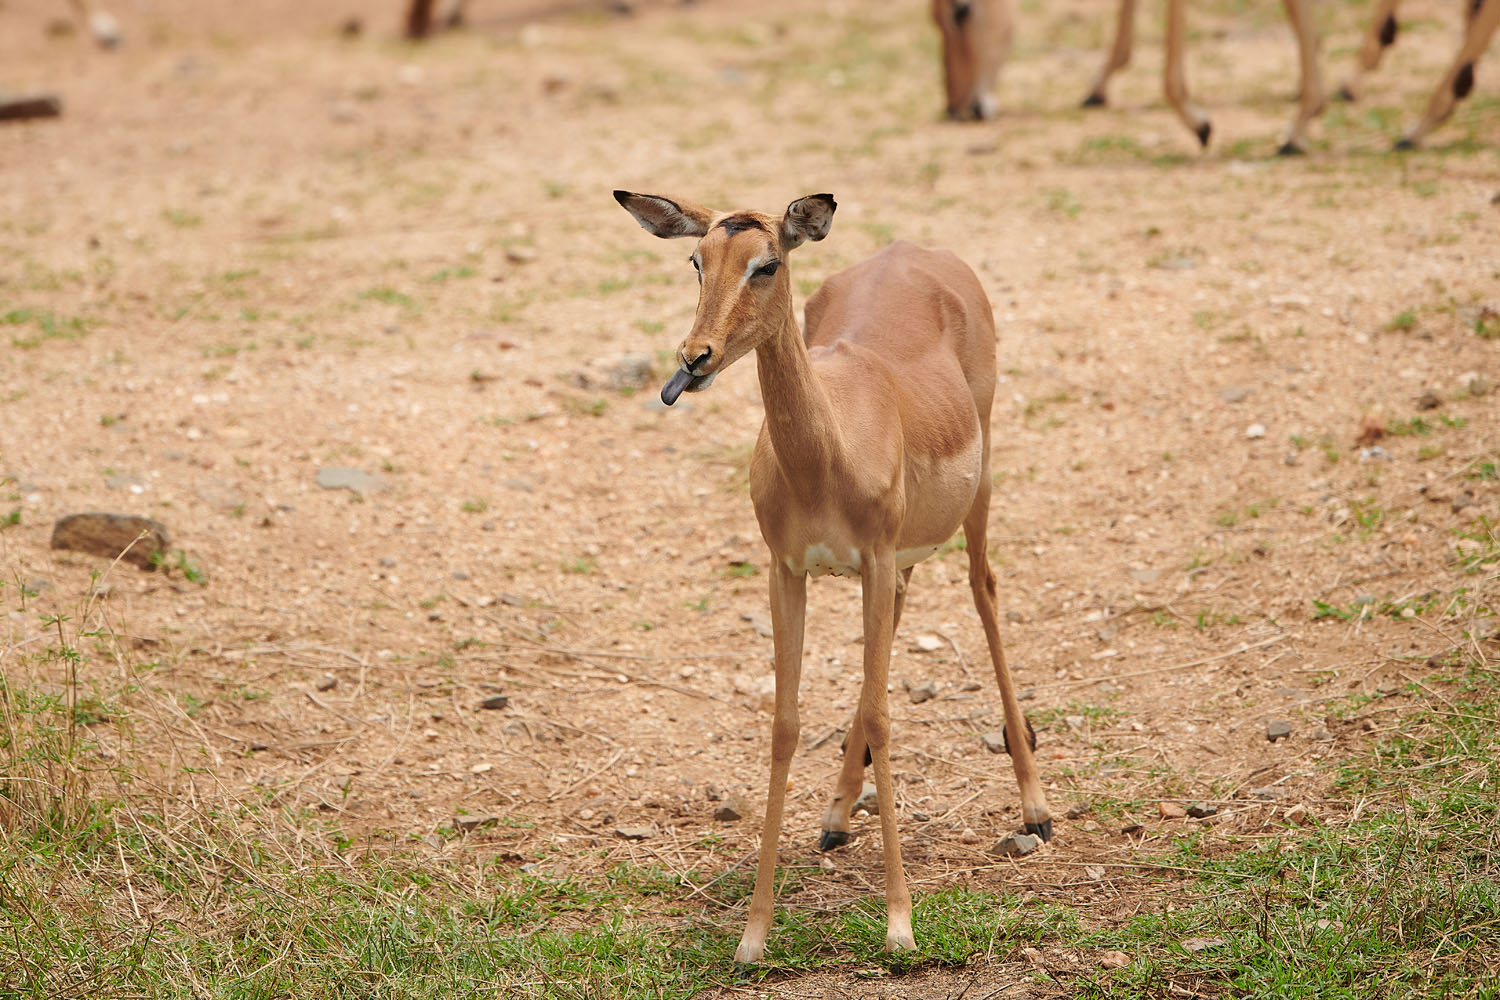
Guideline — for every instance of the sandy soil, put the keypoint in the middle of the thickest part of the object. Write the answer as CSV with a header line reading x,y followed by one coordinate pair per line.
x,y
253,248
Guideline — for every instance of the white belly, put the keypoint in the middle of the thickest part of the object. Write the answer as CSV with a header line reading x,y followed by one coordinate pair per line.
x,y
820,560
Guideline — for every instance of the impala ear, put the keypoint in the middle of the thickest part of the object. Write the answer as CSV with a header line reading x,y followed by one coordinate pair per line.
x,y
664,217
807,219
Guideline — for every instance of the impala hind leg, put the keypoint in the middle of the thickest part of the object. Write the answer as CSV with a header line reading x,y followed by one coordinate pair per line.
x,y
1118,57
1174,80
1018,736
1459,80
788,613
856,757
1380,36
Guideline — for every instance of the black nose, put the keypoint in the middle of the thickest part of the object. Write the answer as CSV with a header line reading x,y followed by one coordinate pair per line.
x,y
701,359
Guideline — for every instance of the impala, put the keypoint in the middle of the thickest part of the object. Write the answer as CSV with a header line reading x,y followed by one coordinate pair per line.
x,y
976,40
875,449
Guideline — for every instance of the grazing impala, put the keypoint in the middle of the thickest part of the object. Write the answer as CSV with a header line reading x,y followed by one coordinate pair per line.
x,y
976,39
874,451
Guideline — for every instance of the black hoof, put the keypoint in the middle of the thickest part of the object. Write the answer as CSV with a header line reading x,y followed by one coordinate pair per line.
x,y
1204,131
1289,149
833,839
1094,100
1345,94
1405,144
1042,829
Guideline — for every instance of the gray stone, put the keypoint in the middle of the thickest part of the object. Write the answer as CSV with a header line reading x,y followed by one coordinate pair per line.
x,y
1266,793
108,535
358,481
124,481
1429,400
1276,729
219,496
1201,810
1145,575
926,691
730,809
635,832
1015,845
468,824
327,682
993,742
495,701
1234,393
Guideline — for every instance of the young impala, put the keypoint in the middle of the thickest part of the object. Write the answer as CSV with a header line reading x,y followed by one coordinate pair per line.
x,y
976,38
875,449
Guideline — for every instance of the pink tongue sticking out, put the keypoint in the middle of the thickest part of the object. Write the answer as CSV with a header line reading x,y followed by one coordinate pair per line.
x,y
679,381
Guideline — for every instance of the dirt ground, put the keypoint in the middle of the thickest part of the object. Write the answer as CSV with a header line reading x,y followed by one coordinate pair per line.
x,y
254,247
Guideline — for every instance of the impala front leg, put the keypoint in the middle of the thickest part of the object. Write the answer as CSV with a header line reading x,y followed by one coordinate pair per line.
x,y
1174,79
1118,58
856,756
788,613
878,579
1310,103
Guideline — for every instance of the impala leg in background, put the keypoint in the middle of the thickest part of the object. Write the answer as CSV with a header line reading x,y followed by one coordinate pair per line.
x,y
856,755
878,580
1118,57
788,615
1310,101
1034,810
1174,81
1379,36
1459,79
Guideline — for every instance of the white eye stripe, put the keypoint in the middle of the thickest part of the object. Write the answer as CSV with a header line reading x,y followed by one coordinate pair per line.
x,y
750,269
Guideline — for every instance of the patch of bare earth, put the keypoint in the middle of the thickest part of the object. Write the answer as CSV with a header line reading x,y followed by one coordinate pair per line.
x,y
253,249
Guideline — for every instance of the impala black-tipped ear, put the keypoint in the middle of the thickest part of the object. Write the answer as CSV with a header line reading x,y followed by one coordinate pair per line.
x,y
807,219
664,217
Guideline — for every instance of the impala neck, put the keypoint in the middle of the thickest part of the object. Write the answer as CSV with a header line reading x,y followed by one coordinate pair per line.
x,y
799,414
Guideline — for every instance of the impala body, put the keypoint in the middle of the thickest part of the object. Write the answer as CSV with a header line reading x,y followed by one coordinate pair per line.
x,y
874,451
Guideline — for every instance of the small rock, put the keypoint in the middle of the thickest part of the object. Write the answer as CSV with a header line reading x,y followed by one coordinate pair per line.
x,y
1322,735
354,480
1095,872
1475,384
1291,458
1034,956
1266,793
1145,575
968,836
1300,815
1015,845
624,371
1201,810
327,682
520,254
1196,944
826,863
1014,617
635,832
993,742
926,691
868,800
1171,810
730,809
1367,724
1131,828
1429,400
585,814
928,643
1074,723
107,535
1114,960
495,702
1234,393
1276,729
760,623
1464,499
23,106
1255,431
468,824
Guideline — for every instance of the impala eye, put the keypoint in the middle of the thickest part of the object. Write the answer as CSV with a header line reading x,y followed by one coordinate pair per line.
x,y
767,270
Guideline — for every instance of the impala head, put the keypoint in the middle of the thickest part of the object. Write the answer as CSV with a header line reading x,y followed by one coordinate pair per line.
x,y
976,40
744,292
